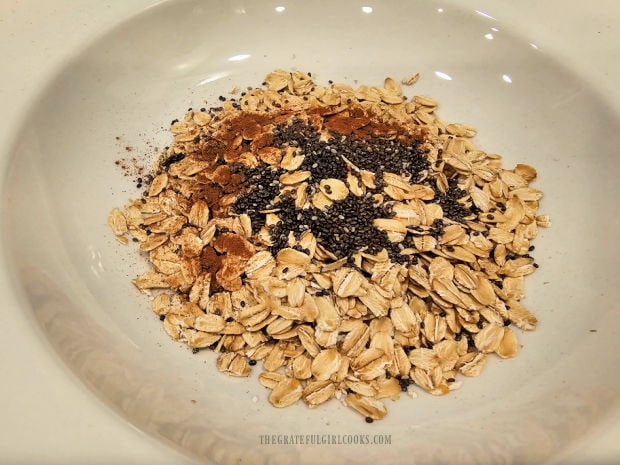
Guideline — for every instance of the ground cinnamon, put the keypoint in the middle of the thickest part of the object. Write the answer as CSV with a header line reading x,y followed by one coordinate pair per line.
x,y
233,244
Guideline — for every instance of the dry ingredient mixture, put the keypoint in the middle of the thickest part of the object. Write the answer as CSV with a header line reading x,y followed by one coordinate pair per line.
x,y
347,240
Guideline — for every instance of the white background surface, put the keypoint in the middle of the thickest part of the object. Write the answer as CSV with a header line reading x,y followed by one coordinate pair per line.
x,y
47,416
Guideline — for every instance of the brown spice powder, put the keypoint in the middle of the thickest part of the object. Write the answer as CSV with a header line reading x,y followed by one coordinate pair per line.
x,y
233,244
211,262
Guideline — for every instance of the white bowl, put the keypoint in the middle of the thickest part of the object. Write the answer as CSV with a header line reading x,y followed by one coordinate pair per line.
x,y
131,82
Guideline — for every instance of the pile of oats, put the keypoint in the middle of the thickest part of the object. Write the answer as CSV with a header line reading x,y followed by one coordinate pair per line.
x,y
347,239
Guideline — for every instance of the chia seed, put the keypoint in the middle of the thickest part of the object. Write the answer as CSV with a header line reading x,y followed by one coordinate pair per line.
x,y
329,226
324,159
345,226
172,159
404,383
449,201
263,186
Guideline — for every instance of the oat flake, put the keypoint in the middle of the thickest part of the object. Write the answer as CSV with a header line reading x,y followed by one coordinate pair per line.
x,y
348,241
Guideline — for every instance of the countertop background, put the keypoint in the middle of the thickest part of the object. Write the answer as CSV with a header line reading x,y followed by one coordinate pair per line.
x,y
46,414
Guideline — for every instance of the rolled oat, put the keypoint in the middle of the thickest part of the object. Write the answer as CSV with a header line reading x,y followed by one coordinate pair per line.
x,y
347,239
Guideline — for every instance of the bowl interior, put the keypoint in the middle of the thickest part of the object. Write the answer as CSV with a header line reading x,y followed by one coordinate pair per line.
x,y
114,101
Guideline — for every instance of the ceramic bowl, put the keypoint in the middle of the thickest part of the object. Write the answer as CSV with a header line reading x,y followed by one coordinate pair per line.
x,y
121,91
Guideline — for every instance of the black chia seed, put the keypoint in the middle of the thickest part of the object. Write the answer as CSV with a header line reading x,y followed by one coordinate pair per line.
x,y
404,383
449,201
328,226
172,159
324,158
264,186
346,226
